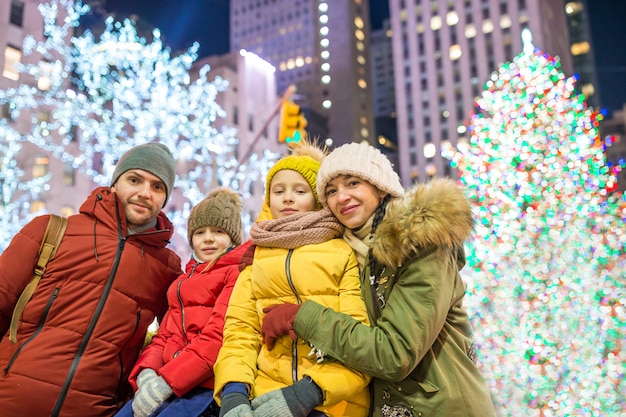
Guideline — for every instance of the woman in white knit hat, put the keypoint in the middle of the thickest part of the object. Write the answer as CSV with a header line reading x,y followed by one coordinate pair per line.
x,y
409,246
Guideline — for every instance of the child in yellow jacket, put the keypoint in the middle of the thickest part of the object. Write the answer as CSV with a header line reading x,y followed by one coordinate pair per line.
x,y
299,256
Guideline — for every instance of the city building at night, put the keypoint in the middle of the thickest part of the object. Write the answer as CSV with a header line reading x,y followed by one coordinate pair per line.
x,y
444,51
321,47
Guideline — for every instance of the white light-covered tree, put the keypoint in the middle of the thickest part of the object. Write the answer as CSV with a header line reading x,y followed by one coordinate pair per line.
x,y
102,97
546,268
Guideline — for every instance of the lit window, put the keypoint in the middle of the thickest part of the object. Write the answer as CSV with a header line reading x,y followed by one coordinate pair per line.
x,y
327,104
69,175
505,22
324,43
360,59
580,48
470,31
12,57
362,83
365,133
45,72
358,22
430,150
325,54
452,18
323,19
588,90
40,168
487,26
325,67
326,79
324,31
455,52
323,7
436,23
37,206
573,7
67,211
359,35
431,170
360,46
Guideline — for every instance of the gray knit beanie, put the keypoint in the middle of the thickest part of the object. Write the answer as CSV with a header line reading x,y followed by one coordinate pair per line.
x,y
221,208
359,160
152,157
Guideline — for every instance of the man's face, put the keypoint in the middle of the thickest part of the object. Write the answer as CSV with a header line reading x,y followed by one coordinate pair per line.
x,y
142,195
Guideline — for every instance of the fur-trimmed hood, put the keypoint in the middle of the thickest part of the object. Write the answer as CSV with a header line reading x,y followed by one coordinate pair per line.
x,y
433,214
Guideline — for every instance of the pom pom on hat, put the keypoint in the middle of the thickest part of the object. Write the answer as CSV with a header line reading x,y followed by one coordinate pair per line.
x,y
305,159
221,208
152,157
359,160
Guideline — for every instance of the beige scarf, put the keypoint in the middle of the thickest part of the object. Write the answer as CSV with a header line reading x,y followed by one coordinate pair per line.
x,y
296,230
360,240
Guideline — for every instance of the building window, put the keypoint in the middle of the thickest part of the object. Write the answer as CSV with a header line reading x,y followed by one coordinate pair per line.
x,y
12,57
37,206
45,73
40,168
17,12
69,175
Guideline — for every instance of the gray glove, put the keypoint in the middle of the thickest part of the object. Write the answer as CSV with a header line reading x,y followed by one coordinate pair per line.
x,y
150,396
144,376
235,404
296,400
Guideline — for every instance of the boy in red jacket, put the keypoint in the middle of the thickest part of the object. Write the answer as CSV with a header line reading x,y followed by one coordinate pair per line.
x,y
174,374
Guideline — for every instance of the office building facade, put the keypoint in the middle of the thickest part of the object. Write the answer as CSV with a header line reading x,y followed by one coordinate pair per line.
x,y
321,47
444,51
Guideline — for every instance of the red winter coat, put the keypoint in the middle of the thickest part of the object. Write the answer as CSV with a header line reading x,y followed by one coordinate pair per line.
x,y
190,337
84,327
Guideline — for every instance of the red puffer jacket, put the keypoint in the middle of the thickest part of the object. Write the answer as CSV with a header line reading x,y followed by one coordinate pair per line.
x,y
190,337
84,327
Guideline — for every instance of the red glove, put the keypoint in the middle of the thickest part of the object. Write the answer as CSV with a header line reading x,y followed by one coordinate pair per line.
x,y
277,322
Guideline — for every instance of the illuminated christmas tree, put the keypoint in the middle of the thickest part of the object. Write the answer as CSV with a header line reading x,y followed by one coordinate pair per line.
x,y
102,97
547,267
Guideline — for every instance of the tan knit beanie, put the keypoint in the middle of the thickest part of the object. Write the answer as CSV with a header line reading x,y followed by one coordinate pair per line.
x,y
359,160
221,208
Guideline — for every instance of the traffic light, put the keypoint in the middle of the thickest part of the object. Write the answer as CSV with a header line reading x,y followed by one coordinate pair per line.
x,y
292,122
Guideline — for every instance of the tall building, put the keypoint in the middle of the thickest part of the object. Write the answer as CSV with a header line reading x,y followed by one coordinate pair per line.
x,y
67,187
250,103
321,47
444,51
383,91
582,53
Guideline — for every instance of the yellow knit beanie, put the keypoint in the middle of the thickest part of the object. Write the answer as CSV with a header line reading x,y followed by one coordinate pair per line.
x,y
305,159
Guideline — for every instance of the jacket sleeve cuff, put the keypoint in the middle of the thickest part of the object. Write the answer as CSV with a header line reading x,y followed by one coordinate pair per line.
x,y
307,319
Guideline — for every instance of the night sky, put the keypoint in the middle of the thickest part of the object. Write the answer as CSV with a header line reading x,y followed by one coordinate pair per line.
x,y
207,22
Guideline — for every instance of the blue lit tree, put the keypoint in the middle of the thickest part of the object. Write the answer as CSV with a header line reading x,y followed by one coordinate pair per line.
x,y
105,96
546,268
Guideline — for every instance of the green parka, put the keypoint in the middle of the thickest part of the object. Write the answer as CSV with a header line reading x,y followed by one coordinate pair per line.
x,y
419,347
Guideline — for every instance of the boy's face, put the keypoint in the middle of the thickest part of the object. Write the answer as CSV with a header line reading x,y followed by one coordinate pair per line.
x,y
290,193
142,195
209,242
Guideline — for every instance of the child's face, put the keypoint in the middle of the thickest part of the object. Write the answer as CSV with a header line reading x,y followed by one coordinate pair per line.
x,y
290,193
209,243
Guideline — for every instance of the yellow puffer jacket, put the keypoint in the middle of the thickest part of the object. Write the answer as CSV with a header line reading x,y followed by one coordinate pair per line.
x,y
327,273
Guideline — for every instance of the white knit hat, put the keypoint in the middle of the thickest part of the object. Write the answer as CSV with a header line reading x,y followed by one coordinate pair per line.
x,y
359,160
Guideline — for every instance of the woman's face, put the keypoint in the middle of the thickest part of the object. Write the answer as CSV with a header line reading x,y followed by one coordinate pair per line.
x,y
352,200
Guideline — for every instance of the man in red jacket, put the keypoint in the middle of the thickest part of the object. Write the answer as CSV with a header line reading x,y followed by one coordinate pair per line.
x,y
82,330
